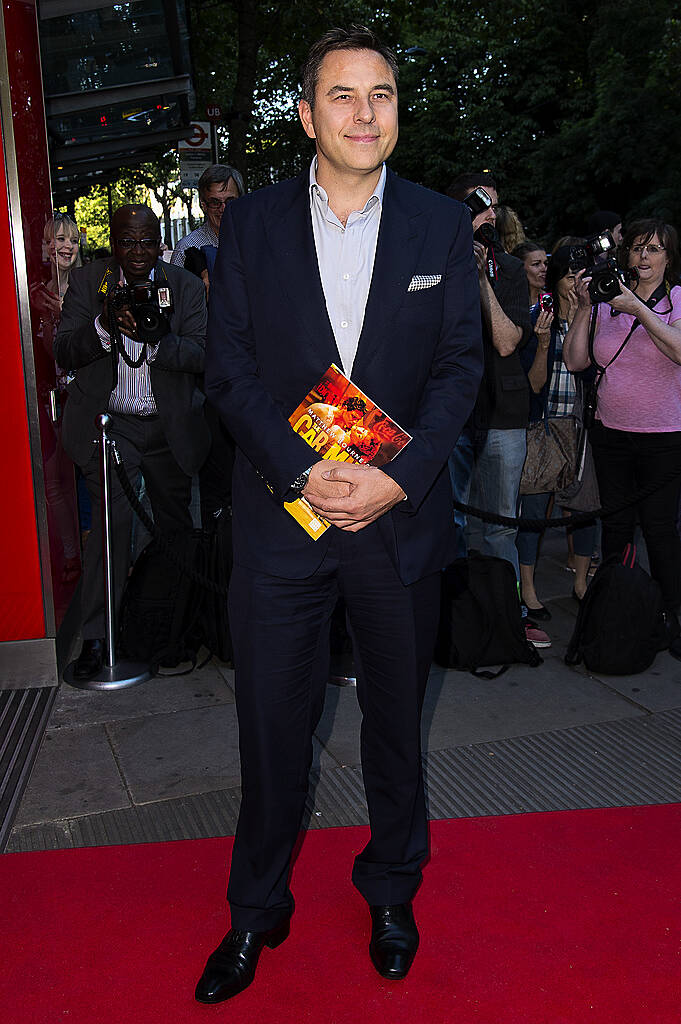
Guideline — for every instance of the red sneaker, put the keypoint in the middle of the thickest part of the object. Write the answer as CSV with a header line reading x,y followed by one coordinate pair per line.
x,y
536,636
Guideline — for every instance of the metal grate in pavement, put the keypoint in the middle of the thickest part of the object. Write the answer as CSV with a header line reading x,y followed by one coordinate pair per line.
x,y
23,719
627,762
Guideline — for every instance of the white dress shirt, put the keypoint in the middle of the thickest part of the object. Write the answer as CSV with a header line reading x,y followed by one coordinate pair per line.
x,y
345,256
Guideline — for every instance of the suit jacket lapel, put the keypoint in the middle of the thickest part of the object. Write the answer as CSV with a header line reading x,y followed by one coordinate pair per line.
x,y
400,239
289,232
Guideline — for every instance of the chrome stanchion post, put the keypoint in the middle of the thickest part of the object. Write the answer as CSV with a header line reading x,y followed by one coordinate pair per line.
x,y
103,422
113,675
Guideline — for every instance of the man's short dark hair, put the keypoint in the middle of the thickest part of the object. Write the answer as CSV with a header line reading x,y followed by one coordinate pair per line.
x,y
219,174
464,184
356,37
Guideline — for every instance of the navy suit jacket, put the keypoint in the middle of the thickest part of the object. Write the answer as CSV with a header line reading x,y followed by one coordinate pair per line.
x,y
270,340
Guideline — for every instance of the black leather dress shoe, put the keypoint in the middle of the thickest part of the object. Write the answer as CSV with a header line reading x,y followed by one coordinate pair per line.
x,y
90,659
231,968
394,940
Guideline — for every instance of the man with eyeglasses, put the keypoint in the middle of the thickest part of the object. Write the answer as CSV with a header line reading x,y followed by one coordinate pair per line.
x,y
150,390
218,185
196,252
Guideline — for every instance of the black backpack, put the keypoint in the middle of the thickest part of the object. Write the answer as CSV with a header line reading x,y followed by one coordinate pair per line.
x,y
162,608
620,624
480,618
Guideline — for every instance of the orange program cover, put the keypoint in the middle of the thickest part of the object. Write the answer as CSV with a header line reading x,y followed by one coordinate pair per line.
x,y
342,424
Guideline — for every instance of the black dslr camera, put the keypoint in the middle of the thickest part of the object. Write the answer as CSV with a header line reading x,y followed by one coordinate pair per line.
x,y
594,256
150,304
478,201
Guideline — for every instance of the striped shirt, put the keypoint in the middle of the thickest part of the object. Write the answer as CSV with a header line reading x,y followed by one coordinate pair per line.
x,y
345,256
203,235
133,394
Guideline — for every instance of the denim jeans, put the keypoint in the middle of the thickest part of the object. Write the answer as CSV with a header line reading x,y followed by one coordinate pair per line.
x,y
460,470
497,468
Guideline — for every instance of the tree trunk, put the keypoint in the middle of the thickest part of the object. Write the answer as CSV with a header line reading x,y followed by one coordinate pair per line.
x,y
242,106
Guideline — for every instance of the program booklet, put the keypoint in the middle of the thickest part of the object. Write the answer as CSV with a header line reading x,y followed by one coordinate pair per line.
x,y
342,424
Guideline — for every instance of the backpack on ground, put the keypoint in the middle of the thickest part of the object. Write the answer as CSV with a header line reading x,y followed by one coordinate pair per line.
x,y
480,617
162,607
620,624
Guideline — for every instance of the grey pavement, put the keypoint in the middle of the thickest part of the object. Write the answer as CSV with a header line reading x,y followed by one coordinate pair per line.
x,y
161,760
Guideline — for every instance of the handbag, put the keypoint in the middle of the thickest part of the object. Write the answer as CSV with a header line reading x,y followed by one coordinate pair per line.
x,y
551,460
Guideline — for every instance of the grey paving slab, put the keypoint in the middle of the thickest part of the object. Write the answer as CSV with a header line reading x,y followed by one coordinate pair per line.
x,y
461,709
75,774
338,729
656,689
204,687
170,755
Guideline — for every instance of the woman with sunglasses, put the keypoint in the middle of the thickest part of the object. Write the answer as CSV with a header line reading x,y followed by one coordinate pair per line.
x,y
636,437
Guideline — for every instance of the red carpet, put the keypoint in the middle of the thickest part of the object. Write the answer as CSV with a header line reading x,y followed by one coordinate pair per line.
x,y
560,918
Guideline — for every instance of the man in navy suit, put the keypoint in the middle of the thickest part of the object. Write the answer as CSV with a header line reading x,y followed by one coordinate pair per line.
x,y
346,264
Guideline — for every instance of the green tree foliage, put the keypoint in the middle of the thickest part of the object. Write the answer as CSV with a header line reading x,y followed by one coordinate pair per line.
x,y
92,210
571,104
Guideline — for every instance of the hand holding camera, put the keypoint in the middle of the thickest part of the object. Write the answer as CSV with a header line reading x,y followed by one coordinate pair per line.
x,y
143,311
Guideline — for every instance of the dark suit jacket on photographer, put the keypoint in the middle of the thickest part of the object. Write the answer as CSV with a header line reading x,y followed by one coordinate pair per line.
x,y
175,371
504,398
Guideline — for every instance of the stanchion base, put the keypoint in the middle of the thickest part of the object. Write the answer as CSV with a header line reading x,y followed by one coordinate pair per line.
x,y
115,677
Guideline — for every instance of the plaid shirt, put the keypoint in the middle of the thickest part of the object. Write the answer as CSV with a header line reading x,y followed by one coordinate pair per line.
x,y
562,391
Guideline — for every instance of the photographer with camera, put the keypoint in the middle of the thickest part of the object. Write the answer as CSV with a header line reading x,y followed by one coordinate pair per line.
x,y
132,339
486,464
553,402
633,338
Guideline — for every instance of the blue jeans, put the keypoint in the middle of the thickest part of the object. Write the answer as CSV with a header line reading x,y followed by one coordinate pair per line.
x,y
460,469
497,469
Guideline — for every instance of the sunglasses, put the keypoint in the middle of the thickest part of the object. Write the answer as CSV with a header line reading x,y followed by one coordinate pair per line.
x,y
142,243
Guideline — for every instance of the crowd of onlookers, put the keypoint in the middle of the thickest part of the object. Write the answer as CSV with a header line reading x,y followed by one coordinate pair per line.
x,y
529,448
593,374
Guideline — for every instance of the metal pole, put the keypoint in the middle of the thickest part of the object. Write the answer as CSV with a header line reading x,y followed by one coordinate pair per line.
x,y
104,422
114,675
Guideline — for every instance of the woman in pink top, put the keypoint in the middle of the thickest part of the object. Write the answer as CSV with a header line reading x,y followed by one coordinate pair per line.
x,y
637,435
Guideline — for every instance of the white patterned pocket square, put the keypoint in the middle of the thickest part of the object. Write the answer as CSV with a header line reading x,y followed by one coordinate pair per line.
x,y
421,281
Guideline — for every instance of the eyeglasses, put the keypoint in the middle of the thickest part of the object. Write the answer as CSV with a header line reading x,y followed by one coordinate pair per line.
x,y
652,249
215,204
143,243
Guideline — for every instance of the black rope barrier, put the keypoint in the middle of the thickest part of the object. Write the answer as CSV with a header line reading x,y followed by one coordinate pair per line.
x,y
571,521
574,519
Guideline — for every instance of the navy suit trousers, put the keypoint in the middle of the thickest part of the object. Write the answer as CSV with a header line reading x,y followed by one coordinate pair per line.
x,y
281,649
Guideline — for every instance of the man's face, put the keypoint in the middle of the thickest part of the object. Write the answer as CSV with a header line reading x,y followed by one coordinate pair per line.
x,y
215,198
354,121
489,216
136,243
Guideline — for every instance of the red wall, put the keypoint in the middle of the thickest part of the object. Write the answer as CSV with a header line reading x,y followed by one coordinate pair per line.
x,y
21,600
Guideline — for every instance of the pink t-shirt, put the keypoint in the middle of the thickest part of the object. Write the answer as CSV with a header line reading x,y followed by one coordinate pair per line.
x,y
641,391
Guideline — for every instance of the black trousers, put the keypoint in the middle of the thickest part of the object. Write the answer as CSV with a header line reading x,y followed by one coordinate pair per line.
x,y
281,653
626,462
144,450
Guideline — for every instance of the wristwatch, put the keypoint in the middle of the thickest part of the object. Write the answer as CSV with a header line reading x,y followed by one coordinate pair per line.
x,y
298,485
